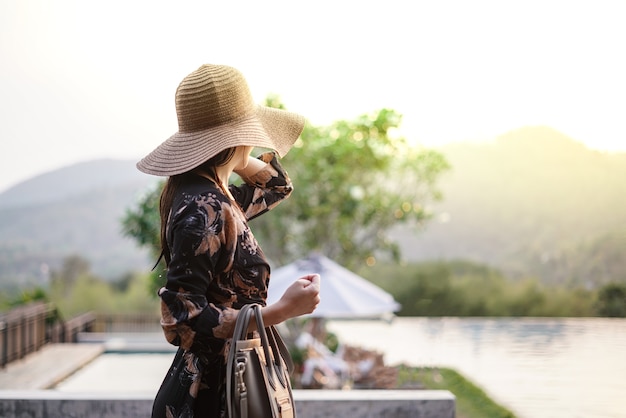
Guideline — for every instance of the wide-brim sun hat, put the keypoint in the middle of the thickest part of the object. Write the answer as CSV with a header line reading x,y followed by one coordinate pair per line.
x,y
215,112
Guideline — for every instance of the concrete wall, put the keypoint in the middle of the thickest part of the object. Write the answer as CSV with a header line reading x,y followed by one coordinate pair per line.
x,y
309,404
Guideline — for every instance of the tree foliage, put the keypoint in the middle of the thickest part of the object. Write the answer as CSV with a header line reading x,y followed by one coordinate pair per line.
x,y
143,224
73,267
463,288
353,180
88,292
612,300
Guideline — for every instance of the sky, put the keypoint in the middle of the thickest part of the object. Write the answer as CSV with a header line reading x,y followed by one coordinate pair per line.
x,y
81,80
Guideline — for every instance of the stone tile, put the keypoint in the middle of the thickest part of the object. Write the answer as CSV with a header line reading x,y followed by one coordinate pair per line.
x,y
45,368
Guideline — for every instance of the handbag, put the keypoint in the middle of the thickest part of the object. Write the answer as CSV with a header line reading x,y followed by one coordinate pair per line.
x,y
257,371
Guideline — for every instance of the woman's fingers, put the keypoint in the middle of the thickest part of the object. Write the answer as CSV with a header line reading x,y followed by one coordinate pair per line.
x,y
311,279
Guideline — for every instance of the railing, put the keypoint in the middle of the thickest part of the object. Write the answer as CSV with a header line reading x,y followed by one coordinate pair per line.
x,y
67,331
25,329
22,331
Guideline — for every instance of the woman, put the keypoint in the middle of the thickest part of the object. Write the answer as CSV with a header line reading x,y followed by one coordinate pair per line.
x,y
214,264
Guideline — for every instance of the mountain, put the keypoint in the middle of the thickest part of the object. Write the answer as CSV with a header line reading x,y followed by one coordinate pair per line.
x,y
75,210
532,202
72,181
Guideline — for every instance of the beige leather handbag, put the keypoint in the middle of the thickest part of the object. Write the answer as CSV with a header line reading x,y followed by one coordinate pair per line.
x,y
257,372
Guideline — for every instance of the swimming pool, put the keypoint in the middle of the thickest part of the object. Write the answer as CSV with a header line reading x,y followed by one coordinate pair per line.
x,y
120,372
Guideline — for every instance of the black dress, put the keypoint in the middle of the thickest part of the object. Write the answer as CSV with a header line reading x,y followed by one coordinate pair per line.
x,y
216,267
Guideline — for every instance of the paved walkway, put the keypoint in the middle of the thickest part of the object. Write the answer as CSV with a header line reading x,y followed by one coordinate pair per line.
x,y
50,365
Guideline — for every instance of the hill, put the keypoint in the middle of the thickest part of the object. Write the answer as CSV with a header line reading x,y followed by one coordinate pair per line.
x,y
74,210
533,202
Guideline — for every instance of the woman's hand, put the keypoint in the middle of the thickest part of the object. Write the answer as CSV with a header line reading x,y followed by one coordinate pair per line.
x,y
300,298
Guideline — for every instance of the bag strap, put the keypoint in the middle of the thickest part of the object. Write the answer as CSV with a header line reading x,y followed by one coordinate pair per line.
x,y
283,350
240,332
270,357
242,324
277,355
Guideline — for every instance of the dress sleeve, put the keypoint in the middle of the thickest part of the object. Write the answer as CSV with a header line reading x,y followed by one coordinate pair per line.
x,y
197,235
264,190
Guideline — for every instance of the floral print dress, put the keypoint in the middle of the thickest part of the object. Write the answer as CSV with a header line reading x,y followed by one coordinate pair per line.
x,y
216,267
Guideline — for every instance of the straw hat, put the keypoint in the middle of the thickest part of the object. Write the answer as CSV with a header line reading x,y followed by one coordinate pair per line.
x,y
216,111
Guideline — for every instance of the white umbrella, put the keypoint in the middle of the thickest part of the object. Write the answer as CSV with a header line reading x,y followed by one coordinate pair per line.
x,y
343,293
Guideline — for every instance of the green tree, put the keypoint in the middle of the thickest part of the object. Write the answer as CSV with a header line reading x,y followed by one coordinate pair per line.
x,y
612,300
143,222
88,292
73,268
466,288
144,225
354,180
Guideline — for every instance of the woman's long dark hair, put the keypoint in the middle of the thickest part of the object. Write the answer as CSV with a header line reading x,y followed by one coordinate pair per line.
x,y
173,183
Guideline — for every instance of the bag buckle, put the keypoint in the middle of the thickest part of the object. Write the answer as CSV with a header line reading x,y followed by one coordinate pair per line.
x,y
241,369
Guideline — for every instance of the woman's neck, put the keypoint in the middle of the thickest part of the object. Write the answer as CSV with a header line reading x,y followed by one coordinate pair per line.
x,y
223,173
220,179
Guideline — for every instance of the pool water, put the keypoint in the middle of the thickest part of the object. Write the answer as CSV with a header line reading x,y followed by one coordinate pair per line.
x,y
120,372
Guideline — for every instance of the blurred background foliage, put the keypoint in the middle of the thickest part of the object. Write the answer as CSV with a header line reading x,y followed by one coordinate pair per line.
x,y
439,288
464,288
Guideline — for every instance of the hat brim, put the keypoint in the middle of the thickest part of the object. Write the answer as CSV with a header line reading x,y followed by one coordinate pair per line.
x,y
267,127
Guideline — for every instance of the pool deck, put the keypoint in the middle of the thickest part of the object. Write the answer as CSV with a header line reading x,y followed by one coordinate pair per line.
x,y
50,365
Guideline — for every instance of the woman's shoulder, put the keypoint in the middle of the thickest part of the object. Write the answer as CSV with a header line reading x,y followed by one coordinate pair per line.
x,y
199,188
199,195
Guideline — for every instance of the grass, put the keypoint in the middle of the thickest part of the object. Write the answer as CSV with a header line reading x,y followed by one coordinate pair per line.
x,y
471,401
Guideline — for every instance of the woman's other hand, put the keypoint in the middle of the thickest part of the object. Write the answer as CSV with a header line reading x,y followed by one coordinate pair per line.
x,y
300,298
